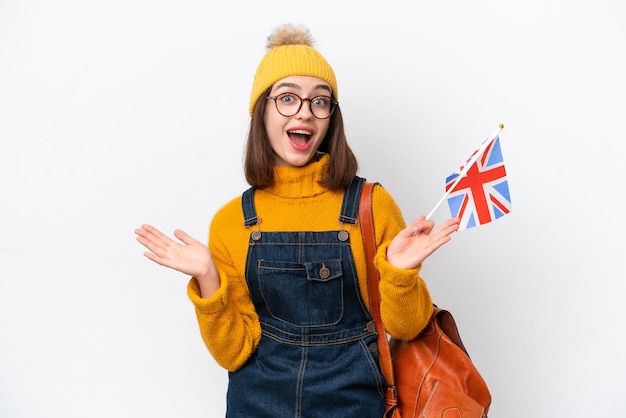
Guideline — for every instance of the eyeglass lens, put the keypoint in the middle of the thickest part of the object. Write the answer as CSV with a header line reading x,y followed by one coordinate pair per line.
x,y
288,104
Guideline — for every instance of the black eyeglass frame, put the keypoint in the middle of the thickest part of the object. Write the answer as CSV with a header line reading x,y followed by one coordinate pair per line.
x,y
333,104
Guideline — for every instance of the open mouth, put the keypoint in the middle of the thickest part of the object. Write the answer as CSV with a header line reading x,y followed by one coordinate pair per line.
x,y
299,137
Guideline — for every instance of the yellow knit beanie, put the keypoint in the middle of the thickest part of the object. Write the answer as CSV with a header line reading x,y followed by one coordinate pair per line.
x,y
290,52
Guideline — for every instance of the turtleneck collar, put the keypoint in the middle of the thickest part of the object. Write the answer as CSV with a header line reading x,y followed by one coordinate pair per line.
x,y
298,182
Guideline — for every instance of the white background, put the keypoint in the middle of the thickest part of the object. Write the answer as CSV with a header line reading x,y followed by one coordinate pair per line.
x,y
117,113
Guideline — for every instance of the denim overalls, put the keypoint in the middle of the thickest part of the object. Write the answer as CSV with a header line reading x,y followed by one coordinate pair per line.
x,y
317,356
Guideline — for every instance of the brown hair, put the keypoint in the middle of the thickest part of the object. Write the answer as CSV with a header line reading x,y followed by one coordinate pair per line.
x,y
259,156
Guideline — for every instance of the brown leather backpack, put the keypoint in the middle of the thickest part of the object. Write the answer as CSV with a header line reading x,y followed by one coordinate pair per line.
x,y
431,375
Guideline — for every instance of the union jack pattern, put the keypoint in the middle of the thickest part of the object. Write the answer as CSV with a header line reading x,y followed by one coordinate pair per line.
x,y
482,195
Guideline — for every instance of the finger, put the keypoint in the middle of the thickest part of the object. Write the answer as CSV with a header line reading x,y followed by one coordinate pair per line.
x,y
158,240
453,221
156,233
184,237
436,244
144,235
444,231
152,257
449,226
141,232
157,259
437,240
417,221
422,226
150,245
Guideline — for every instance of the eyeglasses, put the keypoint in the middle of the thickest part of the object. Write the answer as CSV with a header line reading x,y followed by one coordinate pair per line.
x,y
288,104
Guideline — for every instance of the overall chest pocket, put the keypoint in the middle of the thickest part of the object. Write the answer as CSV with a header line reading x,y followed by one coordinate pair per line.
x,y
303,294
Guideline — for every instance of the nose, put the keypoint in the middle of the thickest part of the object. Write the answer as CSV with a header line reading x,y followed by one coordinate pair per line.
x,y
305,110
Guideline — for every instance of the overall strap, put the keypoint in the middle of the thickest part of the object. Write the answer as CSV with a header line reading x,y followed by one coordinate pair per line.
x,y
350,206
249,211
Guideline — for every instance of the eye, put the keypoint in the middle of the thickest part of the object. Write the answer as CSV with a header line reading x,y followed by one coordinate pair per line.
x,y
321,101
287,98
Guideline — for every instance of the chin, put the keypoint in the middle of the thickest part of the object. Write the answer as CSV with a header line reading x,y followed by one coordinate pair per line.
x,y
299,161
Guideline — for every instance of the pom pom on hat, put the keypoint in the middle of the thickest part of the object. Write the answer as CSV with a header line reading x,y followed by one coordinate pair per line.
x,y
290,53
289,34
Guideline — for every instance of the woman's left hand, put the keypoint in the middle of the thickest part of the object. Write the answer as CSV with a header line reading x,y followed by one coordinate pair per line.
x,y
419,240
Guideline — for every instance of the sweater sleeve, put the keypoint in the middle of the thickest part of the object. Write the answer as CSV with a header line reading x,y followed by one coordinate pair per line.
x,y
228,322
406,305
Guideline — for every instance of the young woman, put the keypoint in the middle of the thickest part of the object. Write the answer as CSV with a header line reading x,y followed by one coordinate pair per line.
x,y
281,291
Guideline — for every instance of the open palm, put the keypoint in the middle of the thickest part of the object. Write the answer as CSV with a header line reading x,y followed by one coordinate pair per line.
x,y
189,256
418,240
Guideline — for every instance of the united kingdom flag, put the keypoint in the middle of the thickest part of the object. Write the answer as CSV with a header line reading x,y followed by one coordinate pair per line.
x,y
481,195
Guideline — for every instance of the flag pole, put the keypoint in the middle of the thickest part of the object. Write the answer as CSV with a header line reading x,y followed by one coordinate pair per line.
x,y
466,168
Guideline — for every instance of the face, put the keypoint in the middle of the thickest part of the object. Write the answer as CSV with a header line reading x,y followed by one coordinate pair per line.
x,y
295,139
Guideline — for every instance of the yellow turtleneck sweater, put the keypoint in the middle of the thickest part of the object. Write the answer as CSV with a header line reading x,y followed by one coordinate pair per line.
x,y
228,321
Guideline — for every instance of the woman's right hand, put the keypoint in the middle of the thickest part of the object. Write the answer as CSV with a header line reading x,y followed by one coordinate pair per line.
x,y
191,257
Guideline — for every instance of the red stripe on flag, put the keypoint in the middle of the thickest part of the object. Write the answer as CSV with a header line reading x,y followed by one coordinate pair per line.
x,y
474,180
463,206
498,204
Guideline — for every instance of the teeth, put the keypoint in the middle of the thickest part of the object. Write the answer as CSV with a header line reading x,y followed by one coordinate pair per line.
x,y
300,132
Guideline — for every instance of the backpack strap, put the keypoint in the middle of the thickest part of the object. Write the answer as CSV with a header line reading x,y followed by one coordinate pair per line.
x,y
369,243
